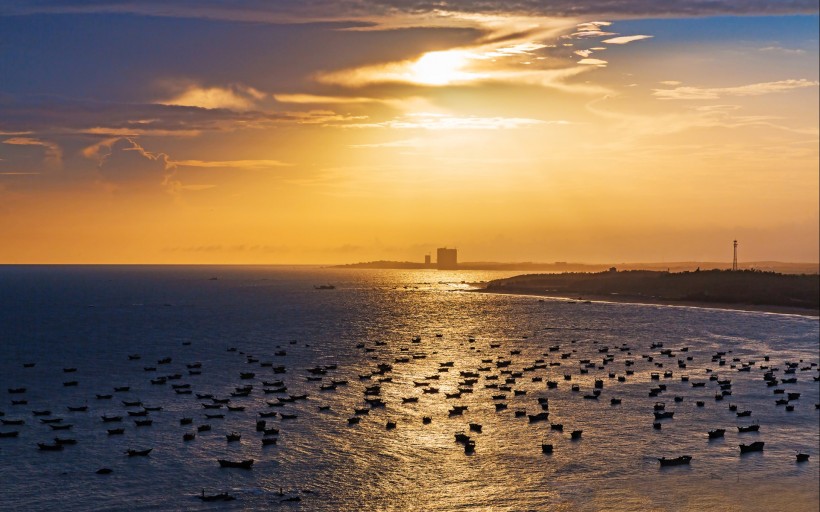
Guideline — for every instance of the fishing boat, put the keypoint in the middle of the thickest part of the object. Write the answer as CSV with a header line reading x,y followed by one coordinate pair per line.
x,y
243,464
757,446
675,461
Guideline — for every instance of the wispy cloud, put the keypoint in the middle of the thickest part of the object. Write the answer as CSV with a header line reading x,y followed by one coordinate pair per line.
x,y
232,164
319,10
234,97
53,152
625,39
436,121
713,93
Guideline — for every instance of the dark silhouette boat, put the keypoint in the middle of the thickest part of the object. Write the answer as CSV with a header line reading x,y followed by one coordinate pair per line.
x,y
243,464
188,436
546,448
116,431
750,428
461,437
325,287
104,471
223,496
56,447
12,433
717,433
675,461
802,457
65,441
138,453
757,446
576,434
659,415
13,422
80,408
110,419
469,447
143,423
475,427
541,416
267,441
66,426
233,436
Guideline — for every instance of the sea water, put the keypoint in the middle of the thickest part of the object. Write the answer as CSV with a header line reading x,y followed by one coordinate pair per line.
x,y
92,318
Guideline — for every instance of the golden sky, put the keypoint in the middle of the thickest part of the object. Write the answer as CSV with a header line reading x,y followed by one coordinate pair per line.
x,y
336,132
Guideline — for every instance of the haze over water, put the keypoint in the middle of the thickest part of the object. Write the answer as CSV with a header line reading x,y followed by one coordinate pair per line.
x,y
92,318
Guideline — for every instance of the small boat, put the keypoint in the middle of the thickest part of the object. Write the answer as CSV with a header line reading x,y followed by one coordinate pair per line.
x,y
143,423
325,287
741,414
390,425
576,434
243,464
41,413
80,408
546,448
103,397
802,457
659,415
750,428
223,496
138,453
64,440
757,446
475,427
675,461
11,433
116,431
104,471
122,389
354,420
717,433
13,422
267,441
469,447
233,436
189,436
186,421
66,426
203,428
426,420
110,419
461,437
50,447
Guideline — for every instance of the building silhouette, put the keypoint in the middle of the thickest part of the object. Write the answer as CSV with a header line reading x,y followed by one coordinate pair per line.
x,y
427,262
446,259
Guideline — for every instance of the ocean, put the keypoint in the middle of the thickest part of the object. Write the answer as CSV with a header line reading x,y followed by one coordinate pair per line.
x,y
426,329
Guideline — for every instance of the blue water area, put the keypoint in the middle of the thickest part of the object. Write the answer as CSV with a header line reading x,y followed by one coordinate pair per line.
x,y
199,333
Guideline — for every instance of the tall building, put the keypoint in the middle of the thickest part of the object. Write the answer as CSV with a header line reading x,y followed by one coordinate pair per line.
x,y
427,262
446,258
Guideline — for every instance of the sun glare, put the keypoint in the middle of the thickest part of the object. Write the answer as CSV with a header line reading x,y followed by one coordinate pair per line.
x,y
441,68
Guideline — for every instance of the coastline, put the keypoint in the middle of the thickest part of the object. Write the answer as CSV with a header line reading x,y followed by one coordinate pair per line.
x,y
627,299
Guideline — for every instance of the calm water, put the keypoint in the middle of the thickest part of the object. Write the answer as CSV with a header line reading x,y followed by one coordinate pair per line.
x,y
92,318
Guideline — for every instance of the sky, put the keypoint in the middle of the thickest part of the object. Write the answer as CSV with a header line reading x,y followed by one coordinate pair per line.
x,y
337,131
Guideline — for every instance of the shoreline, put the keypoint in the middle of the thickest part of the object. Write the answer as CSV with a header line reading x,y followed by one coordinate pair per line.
x,y
627,299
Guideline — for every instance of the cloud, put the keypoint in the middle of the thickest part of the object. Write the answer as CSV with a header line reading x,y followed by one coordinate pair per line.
x,y
126,164
53,153
326,10
625,39
234,97
593,62
699,93
113,120
318,99
233,164
784,51
435,121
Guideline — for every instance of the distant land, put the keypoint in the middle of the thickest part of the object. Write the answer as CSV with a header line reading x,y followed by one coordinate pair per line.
x,y
560,266
711,287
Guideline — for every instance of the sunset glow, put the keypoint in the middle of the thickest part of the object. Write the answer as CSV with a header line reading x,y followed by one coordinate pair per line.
x,y
308,134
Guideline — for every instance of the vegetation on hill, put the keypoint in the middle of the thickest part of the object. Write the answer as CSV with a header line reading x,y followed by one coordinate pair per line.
x,y
717,286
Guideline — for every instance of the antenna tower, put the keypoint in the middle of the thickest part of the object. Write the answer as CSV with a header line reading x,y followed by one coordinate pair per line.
x,y
734,260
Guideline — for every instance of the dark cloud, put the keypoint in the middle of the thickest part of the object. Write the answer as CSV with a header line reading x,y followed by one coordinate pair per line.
x,y
307,10
53,115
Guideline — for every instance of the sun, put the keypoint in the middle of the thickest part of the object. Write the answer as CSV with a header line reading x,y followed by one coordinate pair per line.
x,y
441,68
